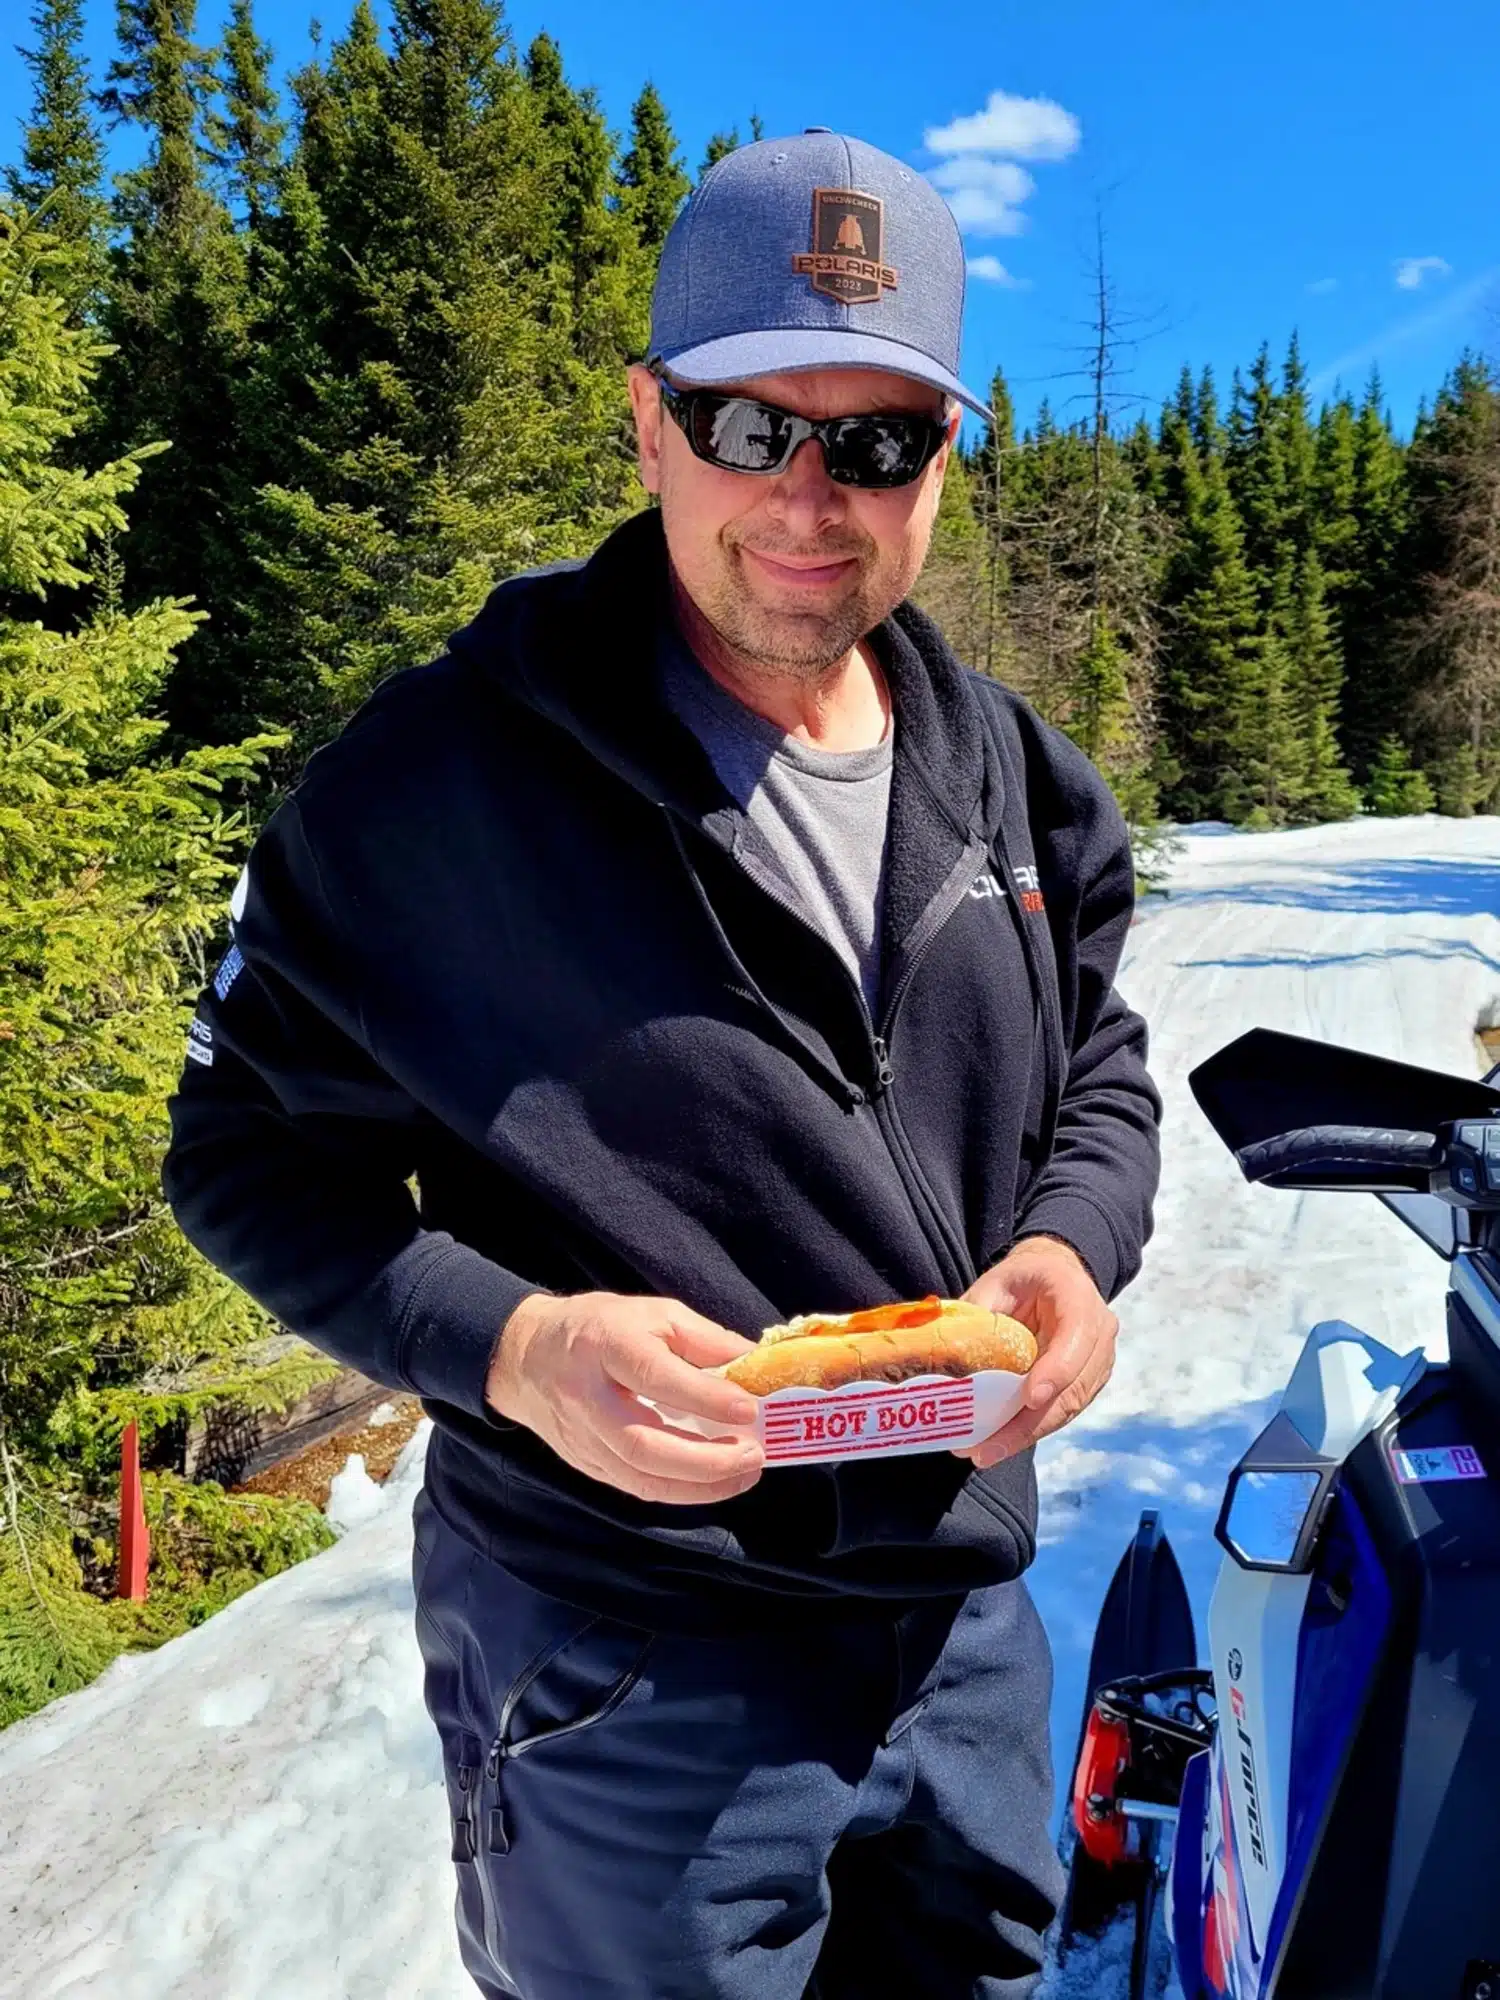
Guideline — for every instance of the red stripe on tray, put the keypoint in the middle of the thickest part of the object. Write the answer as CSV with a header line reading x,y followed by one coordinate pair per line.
x,y
821,1398
822,1447
780,1420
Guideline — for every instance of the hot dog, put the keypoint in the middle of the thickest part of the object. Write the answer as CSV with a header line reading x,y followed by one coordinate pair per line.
x,y
884,1344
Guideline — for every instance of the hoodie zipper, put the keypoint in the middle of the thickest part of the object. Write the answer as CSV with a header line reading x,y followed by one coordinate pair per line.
x,y
945,1241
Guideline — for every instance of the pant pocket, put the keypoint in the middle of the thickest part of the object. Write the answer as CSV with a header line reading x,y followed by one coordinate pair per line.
x,y
584,1673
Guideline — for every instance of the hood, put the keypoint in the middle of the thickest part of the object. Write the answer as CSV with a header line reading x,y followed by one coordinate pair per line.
x,y
577,643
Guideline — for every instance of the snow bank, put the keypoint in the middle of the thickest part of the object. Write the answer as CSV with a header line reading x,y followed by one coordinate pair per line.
x,y
255,1812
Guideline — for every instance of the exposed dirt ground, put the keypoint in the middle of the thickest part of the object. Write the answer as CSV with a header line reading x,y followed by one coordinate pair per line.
x,y
309,1475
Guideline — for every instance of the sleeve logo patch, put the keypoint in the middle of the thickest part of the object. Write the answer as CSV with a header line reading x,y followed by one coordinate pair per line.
x,y
230,968
1028,882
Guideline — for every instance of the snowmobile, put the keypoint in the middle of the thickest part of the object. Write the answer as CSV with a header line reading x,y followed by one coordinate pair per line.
x,y
1315,1813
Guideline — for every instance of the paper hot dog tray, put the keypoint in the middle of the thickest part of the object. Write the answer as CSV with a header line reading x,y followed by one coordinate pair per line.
x,y
874,1419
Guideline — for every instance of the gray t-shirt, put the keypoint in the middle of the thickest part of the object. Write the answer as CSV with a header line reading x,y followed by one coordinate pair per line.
x,y
822,812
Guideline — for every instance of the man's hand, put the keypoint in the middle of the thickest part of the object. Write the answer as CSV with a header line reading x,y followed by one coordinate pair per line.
x,y
569,1369
1044,1284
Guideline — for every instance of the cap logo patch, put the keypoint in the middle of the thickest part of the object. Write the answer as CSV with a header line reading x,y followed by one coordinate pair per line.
x,y
847,239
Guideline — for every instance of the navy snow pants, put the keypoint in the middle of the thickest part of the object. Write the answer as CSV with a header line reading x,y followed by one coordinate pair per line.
x,y
840,1814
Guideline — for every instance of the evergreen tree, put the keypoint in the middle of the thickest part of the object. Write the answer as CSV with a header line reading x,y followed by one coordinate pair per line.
x,y
1180,406
1261,784
1371,598
250,135
62,156
1270,456
651,179
1335,531
1452,637
1396,787
465,292
1212,674
719,145
1208,430
1297,443
177,313
114,862
1307,635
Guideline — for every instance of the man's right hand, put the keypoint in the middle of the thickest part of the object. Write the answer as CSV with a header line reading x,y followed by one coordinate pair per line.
x,y
570,1369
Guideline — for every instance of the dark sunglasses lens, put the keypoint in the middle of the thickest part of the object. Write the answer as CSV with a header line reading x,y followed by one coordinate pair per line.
x,y
740,435
881,451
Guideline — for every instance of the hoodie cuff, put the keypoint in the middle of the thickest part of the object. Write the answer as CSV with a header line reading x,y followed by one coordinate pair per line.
x,y
452,1326
1084,1228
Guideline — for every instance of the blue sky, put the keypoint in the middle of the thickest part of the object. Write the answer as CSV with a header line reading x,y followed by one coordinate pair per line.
x,y
1325,166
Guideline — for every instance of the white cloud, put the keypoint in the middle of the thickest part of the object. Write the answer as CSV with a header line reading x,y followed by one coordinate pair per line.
x,y
1410,271
993,272
985,195
1321,287
977,170
1025,128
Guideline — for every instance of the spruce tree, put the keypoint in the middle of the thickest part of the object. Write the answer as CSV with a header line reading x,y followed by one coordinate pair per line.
x,y
177,317
61,170
1212,673
1308,635
466,292
1452,556
1373,599
1262,781
1396,787
1208,429
651,178
249,135
719,146
115,861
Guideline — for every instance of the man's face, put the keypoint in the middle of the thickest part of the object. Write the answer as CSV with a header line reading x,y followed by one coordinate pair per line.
x,y
790,568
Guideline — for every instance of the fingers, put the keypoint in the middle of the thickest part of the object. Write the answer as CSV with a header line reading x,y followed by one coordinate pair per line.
x,y
656,1463
1062,1360
1077,1365
644,1363
994,1292
700,1340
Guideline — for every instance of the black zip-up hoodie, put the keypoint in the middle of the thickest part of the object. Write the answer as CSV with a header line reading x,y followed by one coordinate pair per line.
x,y
510,945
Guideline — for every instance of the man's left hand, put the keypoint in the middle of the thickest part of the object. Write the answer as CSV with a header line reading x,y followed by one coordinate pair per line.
x,y
1045,1284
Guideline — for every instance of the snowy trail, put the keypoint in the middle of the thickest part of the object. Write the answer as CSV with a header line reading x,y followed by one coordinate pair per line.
x,y
255,1812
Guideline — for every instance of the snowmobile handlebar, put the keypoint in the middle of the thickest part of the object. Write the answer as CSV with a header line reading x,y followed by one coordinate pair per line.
x,y
1365,1157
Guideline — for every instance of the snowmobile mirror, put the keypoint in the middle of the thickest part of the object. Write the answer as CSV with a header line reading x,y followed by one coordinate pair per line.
x,y
1275,1501
1267,1514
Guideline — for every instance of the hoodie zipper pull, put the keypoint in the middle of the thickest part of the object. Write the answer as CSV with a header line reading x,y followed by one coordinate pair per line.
x,y
885,1075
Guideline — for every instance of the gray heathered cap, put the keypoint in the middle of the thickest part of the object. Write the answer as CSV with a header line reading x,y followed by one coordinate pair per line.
x,y
814,252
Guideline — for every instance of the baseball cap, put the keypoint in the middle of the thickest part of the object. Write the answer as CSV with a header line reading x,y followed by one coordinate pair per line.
x,y
812,252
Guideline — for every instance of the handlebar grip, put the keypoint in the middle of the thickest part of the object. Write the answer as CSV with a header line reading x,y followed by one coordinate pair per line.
x,y
1368,1147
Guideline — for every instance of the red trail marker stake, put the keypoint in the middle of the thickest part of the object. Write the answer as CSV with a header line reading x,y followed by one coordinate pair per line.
x,y
135,1542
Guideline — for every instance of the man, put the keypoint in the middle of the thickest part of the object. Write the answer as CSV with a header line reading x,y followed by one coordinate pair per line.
x,y
709,947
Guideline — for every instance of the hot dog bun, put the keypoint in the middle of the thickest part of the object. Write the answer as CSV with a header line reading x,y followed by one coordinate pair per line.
x,y
885,1344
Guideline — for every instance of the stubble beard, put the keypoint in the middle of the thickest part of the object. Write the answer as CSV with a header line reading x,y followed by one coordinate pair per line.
x,y
798,645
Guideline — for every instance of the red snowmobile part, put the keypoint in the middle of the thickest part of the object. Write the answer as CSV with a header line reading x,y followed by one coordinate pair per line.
x,y
1103,1759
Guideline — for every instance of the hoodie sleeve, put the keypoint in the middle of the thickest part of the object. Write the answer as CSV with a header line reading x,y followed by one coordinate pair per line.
x,y
1096,1190
292,1150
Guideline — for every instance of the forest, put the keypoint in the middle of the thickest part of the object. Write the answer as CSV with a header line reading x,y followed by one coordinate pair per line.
x,y
281,402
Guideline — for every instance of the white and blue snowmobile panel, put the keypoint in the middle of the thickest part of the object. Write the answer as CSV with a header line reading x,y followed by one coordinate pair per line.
x,y
1291,1655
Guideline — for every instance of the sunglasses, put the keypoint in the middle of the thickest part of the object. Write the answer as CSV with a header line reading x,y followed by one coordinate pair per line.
x,y
739,434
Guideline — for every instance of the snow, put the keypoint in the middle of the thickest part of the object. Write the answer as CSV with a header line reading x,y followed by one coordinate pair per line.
x,y
256,1810
353,1496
